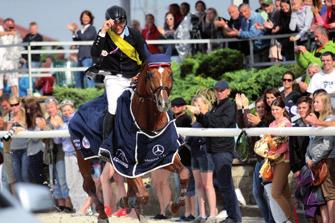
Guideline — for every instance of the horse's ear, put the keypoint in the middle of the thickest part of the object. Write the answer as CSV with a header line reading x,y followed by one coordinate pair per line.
x,y
168,51
146,51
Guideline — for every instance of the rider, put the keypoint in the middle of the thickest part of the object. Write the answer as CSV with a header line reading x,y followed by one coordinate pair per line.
x,y
120,50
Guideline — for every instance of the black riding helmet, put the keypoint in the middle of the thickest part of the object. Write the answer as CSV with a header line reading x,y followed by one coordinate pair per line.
x,y
117,13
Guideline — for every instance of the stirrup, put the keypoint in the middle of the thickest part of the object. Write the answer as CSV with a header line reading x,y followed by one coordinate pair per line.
x,y
105,155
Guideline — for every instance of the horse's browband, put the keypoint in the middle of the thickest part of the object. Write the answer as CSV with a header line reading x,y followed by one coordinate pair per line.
x,y
158,64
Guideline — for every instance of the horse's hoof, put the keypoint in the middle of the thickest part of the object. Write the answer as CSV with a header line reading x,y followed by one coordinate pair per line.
x,y
103,220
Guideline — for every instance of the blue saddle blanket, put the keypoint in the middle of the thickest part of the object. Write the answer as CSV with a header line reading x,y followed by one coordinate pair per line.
x,y
134,152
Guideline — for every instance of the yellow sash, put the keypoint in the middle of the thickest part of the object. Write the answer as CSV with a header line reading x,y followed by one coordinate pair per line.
x,y
125,47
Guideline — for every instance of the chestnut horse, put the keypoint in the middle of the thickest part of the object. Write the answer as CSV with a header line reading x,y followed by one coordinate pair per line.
x,y
149,106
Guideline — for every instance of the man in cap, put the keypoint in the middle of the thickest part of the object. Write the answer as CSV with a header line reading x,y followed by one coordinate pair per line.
x,y
120,50
222,115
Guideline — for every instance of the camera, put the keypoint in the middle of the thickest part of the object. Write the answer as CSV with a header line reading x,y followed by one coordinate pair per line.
x,y
10,132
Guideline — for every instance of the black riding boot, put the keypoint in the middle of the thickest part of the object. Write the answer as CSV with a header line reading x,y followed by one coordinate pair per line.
x,y
107,130
108,125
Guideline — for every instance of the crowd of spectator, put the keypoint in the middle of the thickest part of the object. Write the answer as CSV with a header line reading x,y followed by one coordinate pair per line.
x,y
208,159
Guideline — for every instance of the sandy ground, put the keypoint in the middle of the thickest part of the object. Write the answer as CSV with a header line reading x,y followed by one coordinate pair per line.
x,y
70,218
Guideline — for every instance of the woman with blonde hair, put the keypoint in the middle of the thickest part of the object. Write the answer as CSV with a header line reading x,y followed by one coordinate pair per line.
x,y
322,148
202,166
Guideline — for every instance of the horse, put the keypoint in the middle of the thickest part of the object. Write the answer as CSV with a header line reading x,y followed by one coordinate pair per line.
x,y
149,106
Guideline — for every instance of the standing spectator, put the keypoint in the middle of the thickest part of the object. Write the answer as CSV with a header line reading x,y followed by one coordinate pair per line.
x,y
250,21
74,179
301,21
18,146
33,36
46,84
10,56
150,32
325,79
135,24
222,115
202,167
200,8
178,107
168,32
290,95
183,31
298,144
323,44
86,33
321,148
36,147
61,190
281,167
312,69
175,10
208,29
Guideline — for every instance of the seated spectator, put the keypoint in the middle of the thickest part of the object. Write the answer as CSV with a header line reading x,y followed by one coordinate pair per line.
x,y
45,84
301,21
323,44
325,79
150,32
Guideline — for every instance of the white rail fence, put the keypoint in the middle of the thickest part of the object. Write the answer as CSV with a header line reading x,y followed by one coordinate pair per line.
x,y
206,132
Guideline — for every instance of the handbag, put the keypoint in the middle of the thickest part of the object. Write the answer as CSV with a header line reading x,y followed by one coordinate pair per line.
x,y
266,171
320,172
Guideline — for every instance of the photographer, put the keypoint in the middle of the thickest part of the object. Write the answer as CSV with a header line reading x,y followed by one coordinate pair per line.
x,y
18,146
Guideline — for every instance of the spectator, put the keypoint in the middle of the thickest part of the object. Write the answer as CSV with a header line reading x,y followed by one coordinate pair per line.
x,y
33,36
250,21
18,146
208,29
312,69
325,79
87,33
202,167
298,144
150,32
183,31
320,148
323,44
222,115
280,166
168,32
246,119
290,95
61,190
182,119
200,8
277,4
9,56
261,10
301,21
36,147
46,84
175,10
135,24
8,179
327,20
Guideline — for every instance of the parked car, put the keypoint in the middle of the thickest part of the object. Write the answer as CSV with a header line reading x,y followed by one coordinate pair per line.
x,y
29,199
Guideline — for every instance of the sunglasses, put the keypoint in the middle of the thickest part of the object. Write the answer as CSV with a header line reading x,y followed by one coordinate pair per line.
x,y
288,80
14,105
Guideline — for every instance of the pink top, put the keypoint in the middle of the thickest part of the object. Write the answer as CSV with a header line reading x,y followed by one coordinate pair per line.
x,y
282,141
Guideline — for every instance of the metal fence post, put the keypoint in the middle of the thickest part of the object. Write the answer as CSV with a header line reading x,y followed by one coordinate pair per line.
x,y
251,51
30,91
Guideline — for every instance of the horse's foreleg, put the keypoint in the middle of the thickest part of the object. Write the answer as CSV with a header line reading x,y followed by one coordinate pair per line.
x,y
89,186
183,174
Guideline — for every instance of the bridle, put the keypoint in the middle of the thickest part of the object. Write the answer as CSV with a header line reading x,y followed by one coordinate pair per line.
x,y
153,93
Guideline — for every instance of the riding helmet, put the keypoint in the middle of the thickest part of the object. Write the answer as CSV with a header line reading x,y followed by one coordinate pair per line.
x,y
116,13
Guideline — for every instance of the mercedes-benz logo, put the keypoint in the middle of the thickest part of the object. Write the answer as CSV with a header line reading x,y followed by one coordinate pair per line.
x,y
158,150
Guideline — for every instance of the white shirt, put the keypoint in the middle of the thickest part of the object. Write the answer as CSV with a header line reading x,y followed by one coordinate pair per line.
x,y
322,80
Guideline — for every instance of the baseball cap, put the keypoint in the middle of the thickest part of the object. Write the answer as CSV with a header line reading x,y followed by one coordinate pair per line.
x,y
267,2
178,102
221,85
